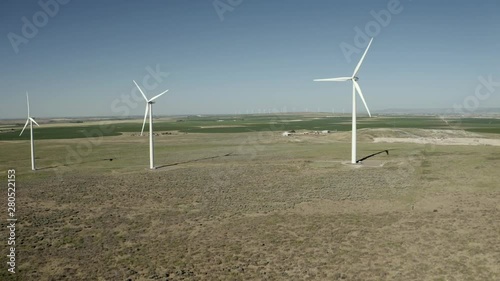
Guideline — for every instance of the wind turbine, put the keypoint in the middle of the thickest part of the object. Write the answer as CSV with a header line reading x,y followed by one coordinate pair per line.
x,y
30,120
149,108
355,87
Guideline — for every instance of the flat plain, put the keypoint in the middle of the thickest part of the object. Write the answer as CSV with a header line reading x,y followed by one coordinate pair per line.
x,y
233,199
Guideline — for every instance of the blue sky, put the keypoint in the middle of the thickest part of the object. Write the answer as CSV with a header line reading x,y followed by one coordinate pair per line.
x,y
258,56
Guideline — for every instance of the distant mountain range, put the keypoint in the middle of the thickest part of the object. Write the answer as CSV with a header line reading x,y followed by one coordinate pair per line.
x,y
486,112
440,111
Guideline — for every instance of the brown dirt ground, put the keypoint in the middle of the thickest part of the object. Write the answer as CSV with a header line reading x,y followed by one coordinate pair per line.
x,y
278,211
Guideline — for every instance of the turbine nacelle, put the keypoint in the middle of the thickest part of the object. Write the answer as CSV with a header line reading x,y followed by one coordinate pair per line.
x,y
149,102
30,119
352,78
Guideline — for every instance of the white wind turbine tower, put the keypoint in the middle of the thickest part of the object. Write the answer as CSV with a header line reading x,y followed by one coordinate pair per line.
x,y
149,108
355,87
30,120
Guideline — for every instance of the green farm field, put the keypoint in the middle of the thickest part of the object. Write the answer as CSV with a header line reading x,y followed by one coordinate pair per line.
x,y
236,200
251,123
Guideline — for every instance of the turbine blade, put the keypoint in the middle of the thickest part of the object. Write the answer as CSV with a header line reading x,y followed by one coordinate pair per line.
x,y
34,121
27,121
28,103
145,117
155,97
361,60
338,79
141,91
356,85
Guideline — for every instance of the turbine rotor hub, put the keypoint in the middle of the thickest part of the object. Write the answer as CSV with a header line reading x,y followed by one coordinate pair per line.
x,y
355,78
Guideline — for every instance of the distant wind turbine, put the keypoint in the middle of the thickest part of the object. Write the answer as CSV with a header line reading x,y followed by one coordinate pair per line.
x,y
355,87
30,120
149,108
